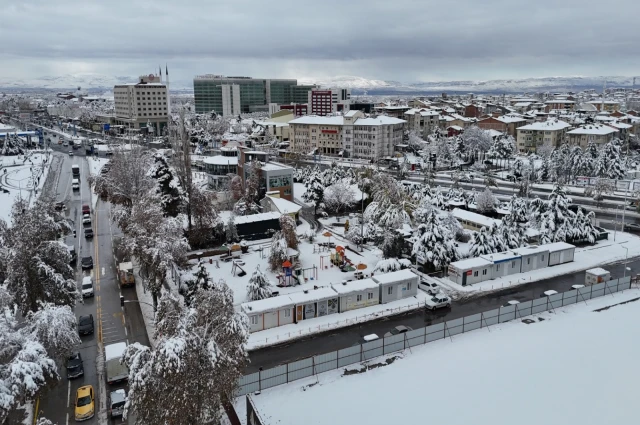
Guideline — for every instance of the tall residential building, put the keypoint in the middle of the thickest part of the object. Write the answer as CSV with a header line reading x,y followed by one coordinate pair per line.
x,y
351,135
142,104
239,95
326,101
550,132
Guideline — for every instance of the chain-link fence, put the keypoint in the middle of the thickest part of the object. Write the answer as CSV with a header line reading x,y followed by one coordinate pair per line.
x,y
310,366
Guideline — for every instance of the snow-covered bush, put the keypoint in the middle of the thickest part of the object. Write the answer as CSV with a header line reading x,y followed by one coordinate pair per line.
x,y
259,286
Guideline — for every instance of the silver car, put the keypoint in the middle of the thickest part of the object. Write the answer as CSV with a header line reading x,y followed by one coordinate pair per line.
x,y
438,301
117,400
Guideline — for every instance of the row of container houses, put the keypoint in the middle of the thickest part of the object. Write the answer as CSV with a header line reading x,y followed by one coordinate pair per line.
x,y
520,260
296,307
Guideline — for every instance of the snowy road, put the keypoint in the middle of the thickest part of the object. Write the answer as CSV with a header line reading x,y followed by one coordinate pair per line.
x,y
346,337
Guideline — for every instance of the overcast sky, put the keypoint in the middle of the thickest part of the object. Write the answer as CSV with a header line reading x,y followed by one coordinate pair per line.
x,y
402,40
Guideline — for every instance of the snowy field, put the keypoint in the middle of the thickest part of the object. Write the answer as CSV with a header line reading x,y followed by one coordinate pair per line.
x,y
574,366
600,254
20,177
96,164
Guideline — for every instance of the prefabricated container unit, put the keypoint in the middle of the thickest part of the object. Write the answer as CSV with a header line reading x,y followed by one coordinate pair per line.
x,y
357,294
397,285
473,221
560,252
470,271
504,263
269,313
314,303
256,226
597,275
533,257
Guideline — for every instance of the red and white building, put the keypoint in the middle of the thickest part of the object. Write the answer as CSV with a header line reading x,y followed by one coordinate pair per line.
x,y
327,101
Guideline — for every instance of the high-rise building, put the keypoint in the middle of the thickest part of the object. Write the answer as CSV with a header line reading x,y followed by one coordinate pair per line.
x,y
327,101
239,95
143,104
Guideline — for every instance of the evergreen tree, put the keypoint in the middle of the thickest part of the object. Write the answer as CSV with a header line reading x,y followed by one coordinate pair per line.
x,y
315,190
518,210
288,230
482,243
503,147
231,230
486,202
201,280
590,157
259,286
392,245
278,252
544,172
556,222
610,163
169,190
496,235
434,246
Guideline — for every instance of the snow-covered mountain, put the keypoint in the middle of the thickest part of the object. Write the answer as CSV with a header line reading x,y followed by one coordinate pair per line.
x,y
360,85
86,81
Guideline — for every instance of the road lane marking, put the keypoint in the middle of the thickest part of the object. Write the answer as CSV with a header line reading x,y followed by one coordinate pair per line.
x,y
35,413
67,418
68,394
103,271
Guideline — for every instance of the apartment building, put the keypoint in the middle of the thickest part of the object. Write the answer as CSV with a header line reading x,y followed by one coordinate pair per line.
x,y
600,134
532,136
559,104
327,101
232,96
607,105
142,104
505,124
273,175
422,121
351,135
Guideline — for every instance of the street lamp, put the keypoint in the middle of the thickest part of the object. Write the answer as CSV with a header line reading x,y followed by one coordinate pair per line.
x,y
624,274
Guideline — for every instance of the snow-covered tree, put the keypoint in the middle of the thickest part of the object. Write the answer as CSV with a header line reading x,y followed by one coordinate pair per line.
x,y
259,286
207,224
583,228
315,190
589,159
288,230
196,363
556,221
248,204
476,139
459,149
55,327
200,280
393,244
434,246
602,187
391,265
339,197
235,186
504,146
486,202
610,163
496,235
168,189
544,172
278,251
231,230
518,209
482,243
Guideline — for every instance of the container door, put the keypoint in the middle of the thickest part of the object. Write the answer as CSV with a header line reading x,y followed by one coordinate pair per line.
x,y
464,278
299,313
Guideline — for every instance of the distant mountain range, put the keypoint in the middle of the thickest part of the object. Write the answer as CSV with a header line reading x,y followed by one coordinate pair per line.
x,y
358,85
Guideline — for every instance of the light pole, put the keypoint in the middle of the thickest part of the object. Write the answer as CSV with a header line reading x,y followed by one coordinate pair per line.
x,y
624,274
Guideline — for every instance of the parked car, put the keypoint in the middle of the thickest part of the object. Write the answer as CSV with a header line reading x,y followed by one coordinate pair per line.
x,y
75,368
85,325
366,338
85,403
87,287
438,301
398,330
88,233
86,219
86,209
59,206
70,153
510,303
577,286
548,293
87,263
632,227
117,399
432,288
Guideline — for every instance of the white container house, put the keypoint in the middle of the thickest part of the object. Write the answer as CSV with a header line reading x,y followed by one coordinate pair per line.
x,y
504,263
397,285
560,253
597,275
314,303
473,221
269,313
470,271
533,257
357,294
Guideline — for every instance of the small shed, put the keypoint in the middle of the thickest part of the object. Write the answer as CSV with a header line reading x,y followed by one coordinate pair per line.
x,y
533,257
597,275
257,226
560,253
357,294
470,271
269,312
397,285
473,221
504,263
314,303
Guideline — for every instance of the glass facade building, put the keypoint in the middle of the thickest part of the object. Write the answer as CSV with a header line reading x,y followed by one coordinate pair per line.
x,y
238,95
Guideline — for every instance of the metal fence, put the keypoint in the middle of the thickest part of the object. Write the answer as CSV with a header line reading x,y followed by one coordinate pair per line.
x,y
310,366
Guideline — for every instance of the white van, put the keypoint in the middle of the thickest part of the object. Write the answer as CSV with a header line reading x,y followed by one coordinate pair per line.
x,y
87,286
75,184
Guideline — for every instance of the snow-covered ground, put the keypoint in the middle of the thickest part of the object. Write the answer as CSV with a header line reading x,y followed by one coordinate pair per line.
x,y
299,189
20,178
96,164
602,253
333,321
573,366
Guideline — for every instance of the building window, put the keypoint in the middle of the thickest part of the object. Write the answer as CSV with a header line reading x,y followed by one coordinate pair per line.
x,y
254,320
287,313
542,257
497,267
287,191
484,272
390,290
475,274
409,286
528,260
513,264
358,298
369,295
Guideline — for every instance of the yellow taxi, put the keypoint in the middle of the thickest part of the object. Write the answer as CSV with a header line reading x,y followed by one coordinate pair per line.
x,y
85,405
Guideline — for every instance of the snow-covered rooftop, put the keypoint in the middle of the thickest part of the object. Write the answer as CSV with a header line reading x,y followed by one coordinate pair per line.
x,y
267,304
511,118
275,166
314,119
474,217
558,246
285,206
351,113
499,257
379,120
595,129
221,160
114,351
242,219
312,295
549,125
619,125
355,286
471,263
532,249
598,271
394,276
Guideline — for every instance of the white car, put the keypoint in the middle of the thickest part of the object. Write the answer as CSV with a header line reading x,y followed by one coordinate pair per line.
x,y
432,288
510,303
548,293
438,301
87,287
86,219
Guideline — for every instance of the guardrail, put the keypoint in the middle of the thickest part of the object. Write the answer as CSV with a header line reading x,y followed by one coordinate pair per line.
x,y
310,366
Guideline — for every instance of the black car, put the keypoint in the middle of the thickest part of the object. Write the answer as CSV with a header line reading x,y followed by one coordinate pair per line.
x,y
74,366
632,227
87,262
88,233
85,325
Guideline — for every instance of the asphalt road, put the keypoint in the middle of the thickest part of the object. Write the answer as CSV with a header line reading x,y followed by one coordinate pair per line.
x,y
347,337
112,322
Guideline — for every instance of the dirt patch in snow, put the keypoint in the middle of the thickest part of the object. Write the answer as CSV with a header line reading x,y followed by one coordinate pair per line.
x,y
366,367
613,305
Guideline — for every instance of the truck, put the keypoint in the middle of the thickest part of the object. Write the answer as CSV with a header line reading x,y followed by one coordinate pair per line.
x,y
116,372
75,170
125,274
597,275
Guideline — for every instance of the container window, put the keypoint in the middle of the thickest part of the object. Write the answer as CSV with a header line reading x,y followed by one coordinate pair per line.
x,y
359,298
254,320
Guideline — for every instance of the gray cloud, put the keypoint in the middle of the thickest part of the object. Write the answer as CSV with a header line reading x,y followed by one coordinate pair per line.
x,y
400,40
